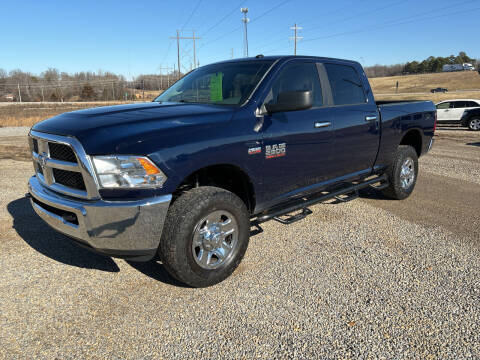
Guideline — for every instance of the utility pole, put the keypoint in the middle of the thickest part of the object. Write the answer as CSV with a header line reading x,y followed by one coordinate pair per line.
x,y
232,54
178,37
295,37
245,20
19,93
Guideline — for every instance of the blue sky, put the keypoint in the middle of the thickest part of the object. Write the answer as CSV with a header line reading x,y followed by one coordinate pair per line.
x,y
132,37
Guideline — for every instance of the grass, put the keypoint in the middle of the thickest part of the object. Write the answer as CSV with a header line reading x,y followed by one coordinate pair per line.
x,y
27,114
465,84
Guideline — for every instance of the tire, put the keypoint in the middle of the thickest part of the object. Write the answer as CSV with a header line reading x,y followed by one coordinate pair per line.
x,y
474,124
195,239
402,174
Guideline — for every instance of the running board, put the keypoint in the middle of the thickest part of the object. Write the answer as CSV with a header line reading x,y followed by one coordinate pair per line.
x,y
347,197
293,218
305,202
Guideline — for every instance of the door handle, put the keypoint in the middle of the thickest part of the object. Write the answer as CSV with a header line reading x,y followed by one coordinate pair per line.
x,y
322,124
371,118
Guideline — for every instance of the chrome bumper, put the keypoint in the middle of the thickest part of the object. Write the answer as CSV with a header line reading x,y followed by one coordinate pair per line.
x,y
129,229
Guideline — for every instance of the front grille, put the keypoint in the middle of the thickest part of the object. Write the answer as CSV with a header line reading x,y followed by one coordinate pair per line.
x,y
39,169
62,165
69,178
35,145
61,152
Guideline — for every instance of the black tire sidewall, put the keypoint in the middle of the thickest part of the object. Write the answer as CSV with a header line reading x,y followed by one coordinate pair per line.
x,y
175,249
243,230
395,189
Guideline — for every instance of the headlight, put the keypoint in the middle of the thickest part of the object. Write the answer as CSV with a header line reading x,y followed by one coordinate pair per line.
x,y
127,172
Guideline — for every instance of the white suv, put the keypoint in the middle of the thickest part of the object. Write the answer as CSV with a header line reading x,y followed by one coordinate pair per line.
x,y
451,111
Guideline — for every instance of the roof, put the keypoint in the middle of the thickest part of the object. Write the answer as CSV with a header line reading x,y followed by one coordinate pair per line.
x,y
476,100
283,57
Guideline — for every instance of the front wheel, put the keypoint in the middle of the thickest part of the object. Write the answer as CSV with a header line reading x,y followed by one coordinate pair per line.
x,y
474,124
402,174
206,234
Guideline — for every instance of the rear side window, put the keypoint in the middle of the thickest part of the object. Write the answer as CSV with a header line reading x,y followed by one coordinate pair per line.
x,y
459,104
297,77
472,104
345,84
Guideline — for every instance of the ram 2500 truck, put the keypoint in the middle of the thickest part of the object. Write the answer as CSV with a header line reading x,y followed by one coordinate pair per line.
x,y
230,145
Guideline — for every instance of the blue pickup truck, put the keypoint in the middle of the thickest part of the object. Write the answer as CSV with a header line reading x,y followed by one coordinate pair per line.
x,y
188,177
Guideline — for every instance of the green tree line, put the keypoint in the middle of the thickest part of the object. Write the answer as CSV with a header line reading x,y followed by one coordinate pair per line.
x,y
431,64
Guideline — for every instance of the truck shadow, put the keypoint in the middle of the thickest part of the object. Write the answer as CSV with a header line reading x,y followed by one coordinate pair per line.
x,y
474,144
369,193
48,242
156,271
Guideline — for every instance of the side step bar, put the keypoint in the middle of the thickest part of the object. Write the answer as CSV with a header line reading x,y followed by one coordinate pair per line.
x,y
302,204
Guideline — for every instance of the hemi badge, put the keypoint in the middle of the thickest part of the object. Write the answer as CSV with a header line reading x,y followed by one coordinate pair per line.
x,y
254,150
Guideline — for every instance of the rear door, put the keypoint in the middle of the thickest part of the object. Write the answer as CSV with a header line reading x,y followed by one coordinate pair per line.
x,y
356,122
458,109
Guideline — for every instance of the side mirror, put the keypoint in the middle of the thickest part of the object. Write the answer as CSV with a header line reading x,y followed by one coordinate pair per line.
x,y
291,101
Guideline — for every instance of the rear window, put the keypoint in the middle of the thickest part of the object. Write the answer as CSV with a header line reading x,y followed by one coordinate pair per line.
x,y
346,85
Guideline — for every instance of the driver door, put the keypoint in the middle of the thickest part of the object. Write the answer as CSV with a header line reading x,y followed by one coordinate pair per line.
x,y
443,111
297,144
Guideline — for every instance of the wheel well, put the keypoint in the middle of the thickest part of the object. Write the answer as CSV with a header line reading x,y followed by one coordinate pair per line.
x,y
414,139
228,177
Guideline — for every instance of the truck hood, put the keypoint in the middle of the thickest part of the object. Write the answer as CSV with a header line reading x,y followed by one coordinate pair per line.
x,y
135,128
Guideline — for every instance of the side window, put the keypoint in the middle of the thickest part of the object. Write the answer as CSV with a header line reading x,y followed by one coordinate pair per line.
x,y
297,77
459,104
472,104
345,84
444,105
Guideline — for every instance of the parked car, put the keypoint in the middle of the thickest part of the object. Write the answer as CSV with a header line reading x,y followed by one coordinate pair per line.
x,y
451,111
439,89
471,119
230,145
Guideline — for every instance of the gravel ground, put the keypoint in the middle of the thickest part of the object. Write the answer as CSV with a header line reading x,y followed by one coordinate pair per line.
x,y
371,278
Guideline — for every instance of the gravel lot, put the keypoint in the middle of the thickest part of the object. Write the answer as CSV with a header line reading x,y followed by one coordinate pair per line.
x,y
371,278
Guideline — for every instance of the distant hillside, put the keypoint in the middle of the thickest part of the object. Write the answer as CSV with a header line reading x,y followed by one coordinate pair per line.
x,y
419,86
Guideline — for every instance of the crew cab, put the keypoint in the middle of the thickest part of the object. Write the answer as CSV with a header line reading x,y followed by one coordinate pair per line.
x,y
186,178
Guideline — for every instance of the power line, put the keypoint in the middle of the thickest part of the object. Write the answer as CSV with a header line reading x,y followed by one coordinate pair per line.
x,y
224,18
178,38
251,21
191,14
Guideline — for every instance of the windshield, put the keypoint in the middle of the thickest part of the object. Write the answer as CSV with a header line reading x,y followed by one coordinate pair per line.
x,y
222,84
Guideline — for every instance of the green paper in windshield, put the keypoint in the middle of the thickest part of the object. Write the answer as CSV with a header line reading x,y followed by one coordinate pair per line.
x,y
216,87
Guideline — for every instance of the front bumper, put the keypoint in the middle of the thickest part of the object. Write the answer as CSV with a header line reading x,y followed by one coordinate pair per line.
x,y
127,229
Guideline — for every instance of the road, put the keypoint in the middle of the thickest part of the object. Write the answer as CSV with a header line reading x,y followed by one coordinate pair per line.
x,y
372,278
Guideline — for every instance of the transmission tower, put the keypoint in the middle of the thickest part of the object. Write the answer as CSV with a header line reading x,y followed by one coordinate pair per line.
x,y
245,21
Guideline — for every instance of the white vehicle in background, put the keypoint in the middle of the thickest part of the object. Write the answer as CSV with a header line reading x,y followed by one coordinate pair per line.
x,y
458,67
451,111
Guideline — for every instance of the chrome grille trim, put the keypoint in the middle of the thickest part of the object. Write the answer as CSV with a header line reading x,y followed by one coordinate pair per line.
x,y
42,159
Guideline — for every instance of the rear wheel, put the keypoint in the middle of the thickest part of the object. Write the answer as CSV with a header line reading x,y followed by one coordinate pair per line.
x,y
402,175
474,124
205,236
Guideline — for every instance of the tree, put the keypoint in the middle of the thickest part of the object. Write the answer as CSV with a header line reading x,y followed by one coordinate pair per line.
x,y
87,92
